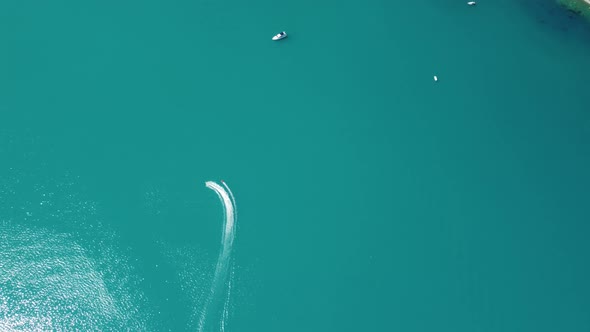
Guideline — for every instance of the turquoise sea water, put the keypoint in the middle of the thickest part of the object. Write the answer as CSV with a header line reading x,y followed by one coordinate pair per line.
x,y
370,198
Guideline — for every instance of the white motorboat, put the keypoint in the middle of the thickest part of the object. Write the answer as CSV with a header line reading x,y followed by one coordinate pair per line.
x,y
471,3
280,35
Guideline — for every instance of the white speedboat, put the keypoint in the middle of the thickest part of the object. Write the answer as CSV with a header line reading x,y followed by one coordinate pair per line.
x,y
471,3
280,35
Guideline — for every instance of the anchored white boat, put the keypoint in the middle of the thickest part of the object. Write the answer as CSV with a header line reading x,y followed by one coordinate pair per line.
x,y
280,35
471,3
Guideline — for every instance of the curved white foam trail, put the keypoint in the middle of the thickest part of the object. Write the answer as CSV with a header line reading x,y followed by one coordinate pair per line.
x,y
231,195
218,286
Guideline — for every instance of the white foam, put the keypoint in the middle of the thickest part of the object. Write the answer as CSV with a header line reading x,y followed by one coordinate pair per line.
x,y
218,285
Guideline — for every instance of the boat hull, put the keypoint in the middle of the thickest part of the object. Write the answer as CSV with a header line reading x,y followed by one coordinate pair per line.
x,y
279,36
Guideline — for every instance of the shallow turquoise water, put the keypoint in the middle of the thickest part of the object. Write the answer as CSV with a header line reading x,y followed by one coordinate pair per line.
x,y
369,197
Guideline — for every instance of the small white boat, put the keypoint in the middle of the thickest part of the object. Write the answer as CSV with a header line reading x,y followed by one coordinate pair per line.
x,y
280,35
435,78
471,3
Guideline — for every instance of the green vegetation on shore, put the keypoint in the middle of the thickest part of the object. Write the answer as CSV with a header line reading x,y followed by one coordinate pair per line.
x,y
581,7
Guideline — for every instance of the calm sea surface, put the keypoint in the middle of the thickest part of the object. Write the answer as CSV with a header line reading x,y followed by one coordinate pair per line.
x,y
370,198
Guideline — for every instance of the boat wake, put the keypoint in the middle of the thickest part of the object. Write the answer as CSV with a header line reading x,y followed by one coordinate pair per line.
x,y
220,286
